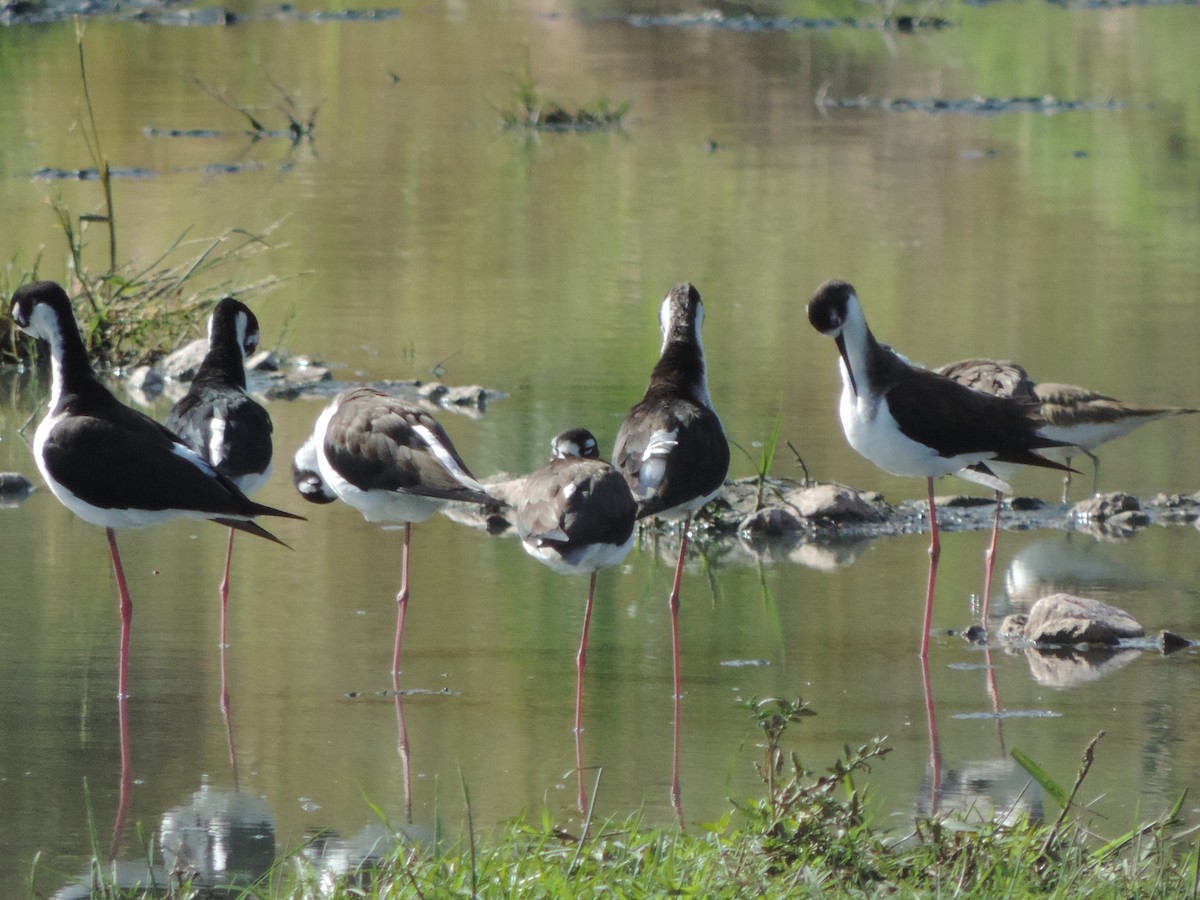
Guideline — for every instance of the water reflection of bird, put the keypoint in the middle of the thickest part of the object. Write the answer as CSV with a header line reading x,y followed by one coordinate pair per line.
x,y
391,461
1064,562
111,465
909,421
219,840
576,515
672,449
219,420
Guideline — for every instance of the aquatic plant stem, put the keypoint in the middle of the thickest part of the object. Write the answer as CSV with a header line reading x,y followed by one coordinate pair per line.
x,y
401,600
935,551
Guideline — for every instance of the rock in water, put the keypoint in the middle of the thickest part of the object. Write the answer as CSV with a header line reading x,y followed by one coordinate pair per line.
x,y
1067,619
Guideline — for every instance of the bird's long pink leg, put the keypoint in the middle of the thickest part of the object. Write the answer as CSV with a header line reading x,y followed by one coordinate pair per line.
x,y
673,603
676,799
223,590
401,600
126,616
935,551
990,562
581,657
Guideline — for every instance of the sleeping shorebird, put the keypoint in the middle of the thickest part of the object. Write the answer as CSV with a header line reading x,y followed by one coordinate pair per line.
x,y
391,461
576,515
111,465
219,420
909,421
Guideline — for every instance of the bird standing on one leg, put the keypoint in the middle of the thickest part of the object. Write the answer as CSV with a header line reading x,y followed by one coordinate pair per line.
x,y
576,515
391,461
109,464
909,421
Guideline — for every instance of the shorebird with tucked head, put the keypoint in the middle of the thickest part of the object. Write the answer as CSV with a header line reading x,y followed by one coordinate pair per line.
x,y
910,421
391,461
576,515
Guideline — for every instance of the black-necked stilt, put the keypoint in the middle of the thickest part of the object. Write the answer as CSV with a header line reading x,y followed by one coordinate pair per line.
x,y
909,421
391,461
1085,419
111,465
672,450
1000,378
217,417
576,515
671,447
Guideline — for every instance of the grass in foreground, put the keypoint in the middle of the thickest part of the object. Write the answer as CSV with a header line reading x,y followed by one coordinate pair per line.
x,y
808,835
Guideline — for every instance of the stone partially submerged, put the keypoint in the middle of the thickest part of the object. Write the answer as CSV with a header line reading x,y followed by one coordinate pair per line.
x,y
1067,619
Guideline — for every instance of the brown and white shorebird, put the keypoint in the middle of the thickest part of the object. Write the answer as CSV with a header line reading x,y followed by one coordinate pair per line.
x,y
910,421
671,447
391,461
1086,419
576,515
1080,418
111,465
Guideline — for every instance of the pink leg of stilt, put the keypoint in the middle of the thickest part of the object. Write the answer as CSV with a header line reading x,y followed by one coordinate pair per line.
x,y
126,616
401,600
673,604
581,656
223,590
580,663
676,800
935,551
990,562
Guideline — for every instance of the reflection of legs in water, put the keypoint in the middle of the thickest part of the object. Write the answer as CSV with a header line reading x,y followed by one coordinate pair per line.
x,y
227,715
994,694
935,751
676,798
125,790
402,748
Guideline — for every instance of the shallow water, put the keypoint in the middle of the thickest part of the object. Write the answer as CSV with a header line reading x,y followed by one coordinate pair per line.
x,y
429,237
